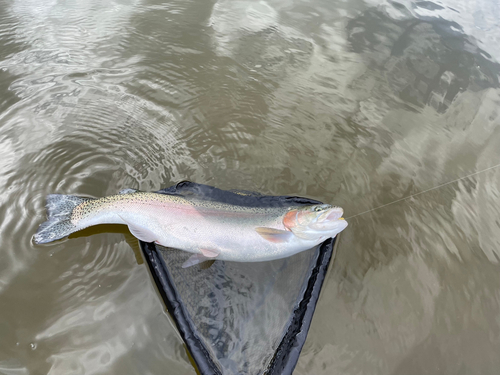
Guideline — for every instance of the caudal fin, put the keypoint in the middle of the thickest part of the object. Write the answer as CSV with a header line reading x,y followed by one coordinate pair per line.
x,y
58,224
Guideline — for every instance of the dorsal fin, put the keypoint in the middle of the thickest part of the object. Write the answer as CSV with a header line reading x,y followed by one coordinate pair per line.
x,y
246,193
128,191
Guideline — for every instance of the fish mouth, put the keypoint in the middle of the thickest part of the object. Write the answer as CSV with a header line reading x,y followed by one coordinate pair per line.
x,y
333,214
330,220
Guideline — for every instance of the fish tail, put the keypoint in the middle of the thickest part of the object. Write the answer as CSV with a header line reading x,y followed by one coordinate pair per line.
x,y
58,224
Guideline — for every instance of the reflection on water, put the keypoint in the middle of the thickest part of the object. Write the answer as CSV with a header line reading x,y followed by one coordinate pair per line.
x,y
425,298
357,104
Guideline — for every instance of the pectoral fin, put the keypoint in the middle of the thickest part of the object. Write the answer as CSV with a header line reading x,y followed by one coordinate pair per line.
x,y
140,232
274,235
209,253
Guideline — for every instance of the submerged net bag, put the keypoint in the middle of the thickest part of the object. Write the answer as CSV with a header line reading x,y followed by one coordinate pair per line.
x,y
241,318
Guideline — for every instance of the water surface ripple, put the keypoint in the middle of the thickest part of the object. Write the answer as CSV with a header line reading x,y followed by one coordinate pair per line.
x,y
357,103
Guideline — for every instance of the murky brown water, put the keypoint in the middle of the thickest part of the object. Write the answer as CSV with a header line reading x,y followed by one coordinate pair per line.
x,y
354,103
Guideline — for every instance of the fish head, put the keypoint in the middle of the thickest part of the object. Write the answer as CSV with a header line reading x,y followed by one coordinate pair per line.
x,y
316,222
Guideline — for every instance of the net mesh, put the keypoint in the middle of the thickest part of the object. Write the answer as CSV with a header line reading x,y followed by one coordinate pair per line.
x,y
241,310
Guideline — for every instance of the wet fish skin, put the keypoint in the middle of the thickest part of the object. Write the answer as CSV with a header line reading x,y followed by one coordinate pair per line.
x,y
208,229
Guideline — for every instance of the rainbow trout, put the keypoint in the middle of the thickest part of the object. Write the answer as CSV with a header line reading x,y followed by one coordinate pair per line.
x,y
210,229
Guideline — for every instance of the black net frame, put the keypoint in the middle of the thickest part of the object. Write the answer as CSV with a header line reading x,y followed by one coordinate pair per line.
x,y
288,350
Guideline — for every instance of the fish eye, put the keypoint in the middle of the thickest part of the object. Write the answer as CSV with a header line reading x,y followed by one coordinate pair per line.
x,y
318,208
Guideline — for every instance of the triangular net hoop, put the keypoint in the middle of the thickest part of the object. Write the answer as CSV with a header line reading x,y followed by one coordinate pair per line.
x,y
241,318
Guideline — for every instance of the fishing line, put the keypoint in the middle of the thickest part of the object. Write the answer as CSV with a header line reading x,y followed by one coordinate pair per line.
x,y
425,191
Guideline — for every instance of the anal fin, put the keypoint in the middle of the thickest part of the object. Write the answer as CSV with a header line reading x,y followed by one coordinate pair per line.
x,y
140,232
